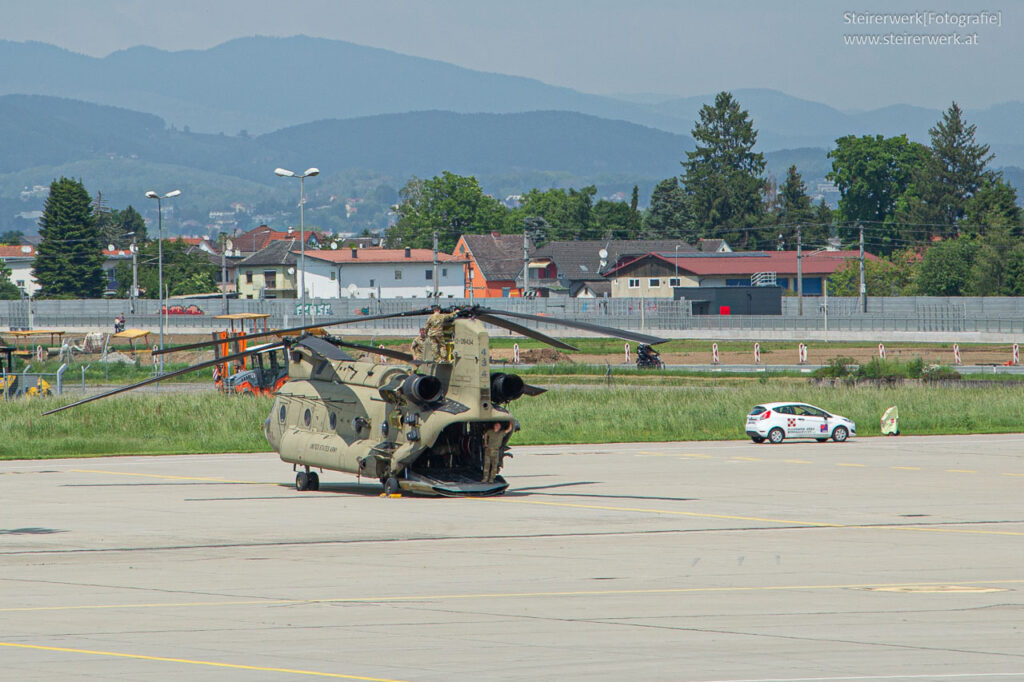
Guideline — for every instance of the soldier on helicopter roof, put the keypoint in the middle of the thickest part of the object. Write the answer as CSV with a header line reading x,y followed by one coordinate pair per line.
x,y
435,329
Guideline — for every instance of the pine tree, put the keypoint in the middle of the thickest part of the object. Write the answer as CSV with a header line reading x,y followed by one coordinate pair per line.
x,y
958,162
668,215
69,259
723,175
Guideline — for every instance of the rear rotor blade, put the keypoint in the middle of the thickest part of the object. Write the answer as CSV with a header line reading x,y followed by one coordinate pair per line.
x,y
193,368
525,331
586,326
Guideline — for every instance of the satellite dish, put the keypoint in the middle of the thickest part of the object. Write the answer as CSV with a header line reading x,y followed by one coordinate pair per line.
x,y
334,245
353,289
133,248
229,245
291,271
603,254
110,247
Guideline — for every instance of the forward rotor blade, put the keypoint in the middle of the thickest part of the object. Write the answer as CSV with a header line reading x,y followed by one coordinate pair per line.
x,y
525,331
396,354
586,326
193,368
292,330
533,390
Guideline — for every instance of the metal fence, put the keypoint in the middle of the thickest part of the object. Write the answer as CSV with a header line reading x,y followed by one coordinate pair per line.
x,y
909,314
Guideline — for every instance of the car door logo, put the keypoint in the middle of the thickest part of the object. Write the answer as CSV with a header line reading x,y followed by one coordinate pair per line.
x,y
790,422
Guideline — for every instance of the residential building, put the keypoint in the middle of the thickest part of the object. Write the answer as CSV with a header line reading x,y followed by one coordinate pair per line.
x,y
494,265
381,273
260,237
271,272
656,275
19,259
578,266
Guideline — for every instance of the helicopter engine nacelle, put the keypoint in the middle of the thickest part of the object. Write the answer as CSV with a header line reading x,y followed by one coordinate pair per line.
x,y
422,388
505,387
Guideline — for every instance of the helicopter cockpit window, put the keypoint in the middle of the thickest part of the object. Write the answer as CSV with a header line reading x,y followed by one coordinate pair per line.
x,y
307,417
283,413
334,421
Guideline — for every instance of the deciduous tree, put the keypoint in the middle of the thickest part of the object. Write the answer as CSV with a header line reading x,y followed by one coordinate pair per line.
x,y
452,205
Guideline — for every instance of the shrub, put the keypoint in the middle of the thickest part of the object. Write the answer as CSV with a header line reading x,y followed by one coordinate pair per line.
x,y
837,368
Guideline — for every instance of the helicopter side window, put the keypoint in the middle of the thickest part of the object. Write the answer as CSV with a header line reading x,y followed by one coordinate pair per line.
x,y
334,421
284,412
307,417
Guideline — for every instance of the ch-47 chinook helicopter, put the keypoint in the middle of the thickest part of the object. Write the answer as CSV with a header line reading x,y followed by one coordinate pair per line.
x,y
416,427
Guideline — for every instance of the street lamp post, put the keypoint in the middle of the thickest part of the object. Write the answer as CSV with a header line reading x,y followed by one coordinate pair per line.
x,y
310,172
160,257
677,264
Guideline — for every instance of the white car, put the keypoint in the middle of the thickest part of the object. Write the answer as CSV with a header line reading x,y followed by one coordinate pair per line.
x,y
774,422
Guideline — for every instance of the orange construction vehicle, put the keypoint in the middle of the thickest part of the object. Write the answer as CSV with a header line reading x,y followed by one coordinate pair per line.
x,y
260,373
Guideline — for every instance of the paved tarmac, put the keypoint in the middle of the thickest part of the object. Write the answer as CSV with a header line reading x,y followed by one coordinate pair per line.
x,y
878,559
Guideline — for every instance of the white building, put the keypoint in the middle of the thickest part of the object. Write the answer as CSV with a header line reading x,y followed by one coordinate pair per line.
x,y
383,273
20,260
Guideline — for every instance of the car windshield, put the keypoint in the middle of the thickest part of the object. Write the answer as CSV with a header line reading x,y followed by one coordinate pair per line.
x,y
757,410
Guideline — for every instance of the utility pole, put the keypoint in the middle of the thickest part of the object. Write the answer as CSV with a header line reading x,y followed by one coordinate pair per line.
x,y
436,294
799,272
863,289
135,272
526,263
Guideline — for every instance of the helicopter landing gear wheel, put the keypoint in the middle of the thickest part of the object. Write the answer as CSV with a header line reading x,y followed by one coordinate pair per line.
x,y
391,486
302,481
313,480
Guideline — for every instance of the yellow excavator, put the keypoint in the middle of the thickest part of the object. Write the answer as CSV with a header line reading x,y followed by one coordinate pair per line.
x,y
14,385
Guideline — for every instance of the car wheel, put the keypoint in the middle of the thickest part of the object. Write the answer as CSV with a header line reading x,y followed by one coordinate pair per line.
x,y
840,434
757,439
776,435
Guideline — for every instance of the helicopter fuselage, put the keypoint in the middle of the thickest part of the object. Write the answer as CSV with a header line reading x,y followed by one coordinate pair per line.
x,y
421,426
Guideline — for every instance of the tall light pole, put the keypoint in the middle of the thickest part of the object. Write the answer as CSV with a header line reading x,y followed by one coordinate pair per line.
x,y
160,256
310,172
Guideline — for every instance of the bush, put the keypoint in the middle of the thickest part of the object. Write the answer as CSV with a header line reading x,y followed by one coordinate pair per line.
x,y
837,368
939,373
879,369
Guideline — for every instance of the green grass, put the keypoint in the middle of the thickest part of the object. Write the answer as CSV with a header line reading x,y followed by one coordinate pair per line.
x,y
133,425
718,412
211,422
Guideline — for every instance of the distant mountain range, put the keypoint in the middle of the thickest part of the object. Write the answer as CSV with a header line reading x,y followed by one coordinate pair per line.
x,y
223,118
263,84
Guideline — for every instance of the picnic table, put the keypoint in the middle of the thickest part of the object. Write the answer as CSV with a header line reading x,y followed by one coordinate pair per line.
x,y
28,336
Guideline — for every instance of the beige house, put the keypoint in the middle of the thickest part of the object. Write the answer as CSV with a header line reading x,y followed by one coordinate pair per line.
x,y
271,272
655,275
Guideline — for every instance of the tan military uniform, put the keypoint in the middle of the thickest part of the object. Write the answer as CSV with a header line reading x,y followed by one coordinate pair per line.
x,y
417,348
492,453
435,333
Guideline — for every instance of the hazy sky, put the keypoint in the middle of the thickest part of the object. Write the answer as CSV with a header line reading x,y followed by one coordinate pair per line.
x,y
603,46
